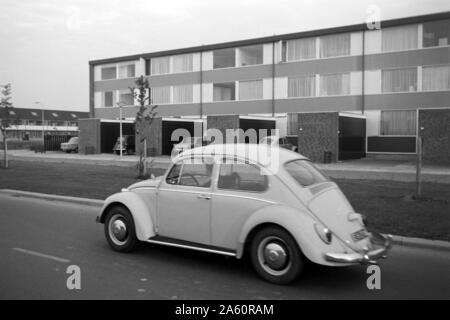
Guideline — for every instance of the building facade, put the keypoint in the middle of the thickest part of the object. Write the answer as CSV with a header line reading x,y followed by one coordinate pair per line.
x,y
348,91
29,124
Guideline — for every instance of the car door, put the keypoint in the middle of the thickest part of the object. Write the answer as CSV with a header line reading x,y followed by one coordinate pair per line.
x,y
240,190
184,201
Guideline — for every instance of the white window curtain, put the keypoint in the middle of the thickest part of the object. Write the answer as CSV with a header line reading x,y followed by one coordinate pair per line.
x,y
160,65
160,95
127,71
303,86
402,123
335,45
399,38
109,99
436,78
335,84
182,63
301,49
126,97
108,73
250,90
183,94
399,80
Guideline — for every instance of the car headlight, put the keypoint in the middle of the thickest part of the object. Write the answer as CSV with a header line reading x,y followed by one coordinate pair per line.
x,y
324,233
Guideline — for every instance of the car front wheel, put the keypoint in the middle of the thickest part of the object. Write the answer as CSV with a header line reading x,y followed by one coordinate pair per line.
x,y
119,229
276,256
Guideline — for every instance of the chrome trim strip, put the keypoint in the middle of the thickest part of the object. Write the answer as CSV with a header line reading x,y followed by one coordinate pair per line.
x,y
170,244
205,191
244,197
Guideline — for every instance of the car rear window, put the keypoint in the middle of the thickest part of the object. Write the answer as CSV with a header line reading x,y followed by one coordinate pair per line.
x,y
305,173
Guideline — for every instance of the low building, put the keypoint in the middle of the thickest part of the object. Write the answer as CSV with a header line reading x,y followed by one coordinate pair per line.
x,y
30,124
344,92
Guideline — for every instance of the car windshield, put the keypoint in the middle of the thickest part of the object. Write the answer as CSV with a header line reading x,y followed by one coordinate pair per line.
x,y
73,140
266,140
305,173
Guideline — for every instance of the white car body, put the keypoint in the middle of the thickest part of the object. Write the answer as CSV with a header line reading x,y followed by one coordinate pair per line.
x,y
187,144
224,221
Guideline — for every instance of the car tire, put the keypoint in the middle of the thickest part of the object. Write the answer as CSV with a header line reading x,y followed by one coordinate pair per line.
x,y
119,229
276,256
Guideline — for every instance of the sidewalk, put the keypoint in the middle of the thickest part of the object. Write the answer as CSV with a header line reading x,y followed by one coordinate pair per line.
x,y
370,169
395,170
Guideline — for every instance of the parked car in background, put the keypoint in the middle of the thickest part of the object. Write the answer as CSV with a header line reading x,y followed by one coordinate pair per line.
x,y
223,200
128,144
70,146
281,142
187,143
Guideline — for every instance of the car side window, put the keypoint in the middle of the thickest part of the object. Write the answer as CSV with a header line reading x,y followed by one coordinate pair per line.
x,y
174,175
237,175
191,173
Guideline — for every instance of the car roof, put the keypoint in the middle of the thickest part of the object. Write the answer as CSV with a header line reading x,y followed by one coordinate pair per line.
x,y
246,151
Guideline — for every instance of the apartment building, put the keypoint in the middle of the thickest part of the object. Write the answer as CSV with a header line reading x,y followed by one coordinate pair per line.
x,y
351,91
29,124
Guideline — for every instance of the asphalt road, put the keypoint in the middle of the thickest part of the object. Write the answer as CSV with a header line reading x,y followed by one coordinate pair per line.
x,y
39,239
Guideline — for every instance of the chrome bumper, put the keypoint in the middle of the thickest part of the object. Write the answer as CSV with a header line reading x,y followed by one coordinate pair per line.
x,y
382,245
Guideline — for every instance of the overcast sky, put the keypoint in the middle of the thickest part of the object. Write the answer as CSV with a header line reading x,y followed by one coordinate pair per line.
x,y
46,44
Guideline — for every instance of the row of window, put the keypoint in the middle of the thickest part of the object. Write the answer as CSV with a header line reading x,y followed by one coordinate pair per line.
x,y
393,80
20,122
429,34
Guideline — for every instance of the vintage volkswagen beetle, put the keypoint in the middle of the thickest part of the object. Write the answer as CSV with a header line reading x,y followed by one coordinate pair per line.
x,y
226,199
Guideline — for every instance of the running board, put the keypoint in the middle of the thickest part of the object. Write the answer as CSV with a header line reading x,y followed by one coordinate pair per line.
x,y
190,245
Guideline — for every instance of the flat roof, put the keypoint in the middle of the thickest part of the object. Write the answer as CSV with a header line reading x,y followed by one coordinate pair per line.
x,y
274,38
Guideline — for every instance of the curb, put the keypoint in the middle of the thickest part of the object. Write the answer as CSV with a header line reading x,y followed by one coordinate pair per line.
x,y
421,243
397,240
52,197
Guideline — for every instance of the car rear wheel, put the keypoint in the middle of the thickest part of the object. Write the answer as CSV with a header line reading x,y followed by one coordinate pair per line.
x,y
119,229
276,256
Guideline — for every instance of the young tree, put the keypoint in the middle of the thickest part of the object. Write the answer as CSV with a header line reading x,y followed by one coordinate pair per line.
x,y
5,108
144,118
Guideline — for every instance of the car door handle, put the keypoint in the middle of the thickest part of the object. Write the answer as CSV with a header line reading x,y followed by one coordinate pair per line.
x,y
204,197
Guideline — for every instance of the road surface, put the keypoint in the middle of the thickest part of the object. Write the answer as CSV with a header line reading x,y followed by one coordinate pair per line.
x,y
40,239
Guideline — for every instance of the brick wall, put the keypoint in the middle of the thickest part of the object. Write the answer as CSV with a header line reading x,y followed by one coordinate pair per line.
x,y
153,134
89,136
436,135
318,132
222,123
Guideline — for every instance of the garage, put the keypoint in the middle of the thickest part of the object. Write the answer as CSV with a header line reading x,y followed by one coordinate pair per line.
x,y
170,125
110,131
246,123
352,137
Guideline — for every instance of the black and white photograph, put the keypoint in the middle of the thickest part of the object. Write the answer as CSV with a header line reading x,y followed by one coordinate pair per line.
x,y
224,157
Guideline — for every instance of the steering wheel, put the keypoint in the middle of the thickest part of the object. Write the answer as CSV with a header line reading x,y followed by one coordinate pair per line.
x,y
192,177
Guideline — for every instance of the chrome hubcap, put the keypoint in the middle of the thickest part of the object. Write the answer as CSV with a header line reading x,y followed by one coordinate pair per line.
x,y
273,256
118,230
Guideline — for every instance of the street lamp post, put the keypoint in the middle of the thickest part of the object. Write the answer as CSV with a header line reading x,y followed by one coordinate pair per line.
x,y
120,104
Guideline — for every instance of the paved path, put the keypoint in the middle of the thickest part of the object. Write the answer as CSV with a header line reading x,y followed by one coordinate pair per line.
x,y
39,239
